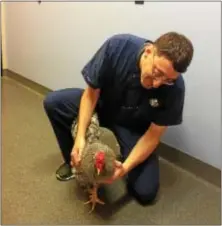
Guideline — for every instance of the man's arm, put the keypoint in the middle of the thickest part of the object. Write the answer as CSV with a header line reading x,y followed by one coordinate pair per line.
x,y
94,73
87,105
171,115
144,147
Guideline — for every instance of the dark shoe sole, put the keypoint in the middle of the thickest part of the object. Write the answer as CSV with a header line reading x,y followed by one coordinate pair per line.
x,y
65,178
65,173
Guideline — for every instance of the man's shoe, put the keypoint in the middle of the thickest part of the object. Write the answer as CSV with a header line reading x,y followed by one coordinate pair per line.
x,y
65,172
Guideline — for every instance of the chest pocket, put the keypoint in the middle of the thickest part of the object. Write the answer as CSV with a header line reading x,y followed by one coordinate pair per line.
x,y
131,96
139,106
134,111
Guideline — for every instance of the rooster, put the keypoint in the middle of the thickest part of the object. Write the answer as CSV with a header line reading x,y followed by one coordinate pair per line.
x,y
97,158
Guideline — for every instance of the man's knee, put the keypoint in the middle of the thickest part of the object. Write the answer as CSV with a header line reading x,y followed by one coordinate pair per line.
x,y
64,98
144,195
50,102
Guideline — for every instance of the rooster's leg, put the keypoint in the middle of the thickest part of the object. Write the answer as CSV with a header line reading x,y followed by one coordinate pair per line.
x,y
94,198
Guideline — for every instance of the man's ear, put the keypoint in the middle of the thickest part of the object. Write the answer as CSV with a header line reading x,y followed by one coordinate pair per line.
x,y
148,49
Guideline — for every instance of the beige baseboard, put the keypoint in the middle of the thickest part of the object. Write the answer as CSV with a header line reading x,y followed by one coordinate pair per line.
x,y
180,159
19,78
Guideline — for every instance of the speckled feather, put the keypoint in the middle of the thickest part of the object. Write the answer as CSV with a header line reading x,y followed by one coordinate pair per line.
x,y
97,139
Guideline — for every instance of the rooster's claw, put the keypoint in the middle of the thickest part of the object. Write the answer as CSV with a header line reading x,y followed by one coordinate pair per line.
x,y
94,199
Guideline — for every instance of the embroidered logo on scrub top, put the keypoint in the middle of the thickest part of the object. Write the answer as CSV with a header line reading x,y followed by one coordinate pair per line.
x,y
154,102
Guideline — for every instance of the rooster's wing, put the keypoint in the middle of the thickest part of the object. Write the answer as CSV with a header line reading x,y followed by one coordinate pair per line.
x,y
108,137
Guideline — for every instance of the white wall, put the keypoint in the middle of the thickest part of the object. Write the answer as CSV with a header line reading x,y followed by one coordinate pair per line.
x,y
50,43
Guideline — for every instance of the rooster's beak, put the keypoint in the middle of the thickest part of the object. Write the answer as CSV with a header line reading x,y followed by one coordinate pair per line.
x,y
98,171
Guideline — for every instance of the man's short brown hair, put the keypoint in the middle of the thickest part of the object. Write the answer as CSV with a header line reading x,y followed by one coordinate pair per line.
x,y
177,48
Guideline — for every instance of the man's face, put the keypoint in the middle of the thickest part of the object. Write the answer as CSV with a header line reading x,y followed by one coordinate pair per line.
x,y
156,70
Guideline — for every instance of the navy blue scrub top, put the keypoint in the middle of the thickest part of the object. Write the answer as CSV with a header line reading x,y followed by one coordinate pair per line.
x,y
114,69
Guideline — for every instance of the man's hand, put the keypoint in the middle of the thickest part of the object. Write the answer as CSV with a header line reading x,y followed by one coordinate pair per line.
x,y
119,172
76,151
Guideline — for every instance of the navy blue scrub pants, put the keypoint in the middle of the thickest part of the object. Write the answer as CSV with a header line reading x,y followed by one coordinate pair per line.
x,y
62,107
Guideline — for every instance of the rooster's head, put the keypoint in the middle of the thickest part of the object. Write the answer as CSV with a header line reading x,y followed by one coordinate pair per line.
x,y
99,161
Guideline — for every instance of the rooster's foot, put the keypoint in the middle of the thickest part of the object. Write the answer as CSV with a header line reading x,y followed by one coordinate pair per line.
x,y
94,199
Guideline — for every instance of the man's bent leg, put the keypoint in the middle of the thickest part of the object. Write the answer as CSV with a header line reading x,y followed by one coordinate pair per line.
x,y
62,108
143,180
